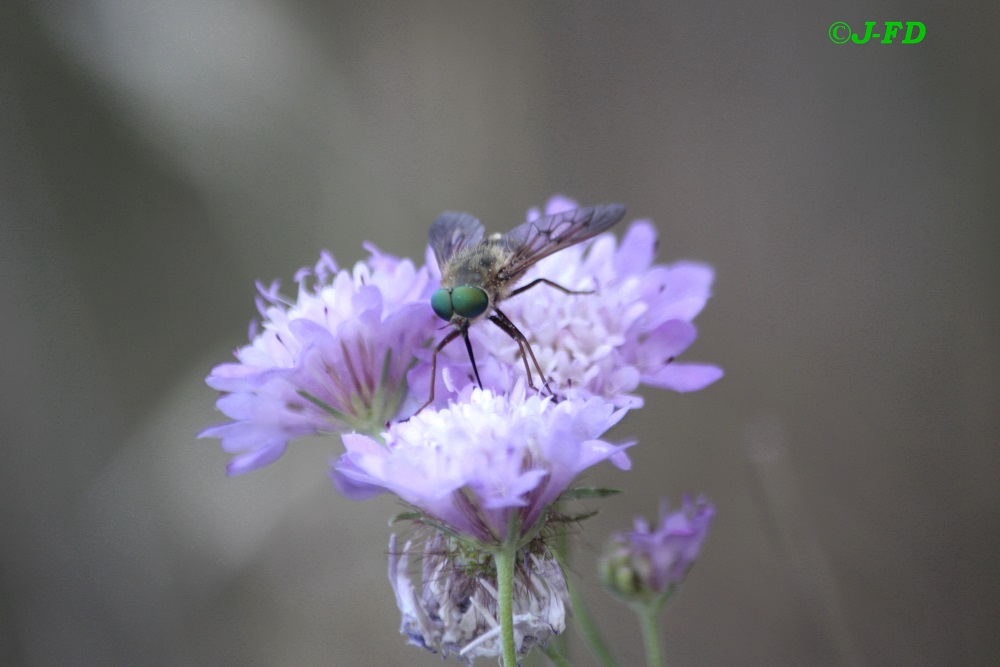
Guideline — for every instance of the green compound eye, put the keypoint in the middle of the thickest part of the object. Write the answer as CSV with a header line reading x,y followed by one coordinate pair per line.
x,y
441,303
469,302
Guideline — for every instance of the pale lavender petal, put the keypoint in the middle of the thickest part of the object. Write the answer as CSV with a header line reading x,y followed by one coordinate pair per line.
x,y
266,454
684,377
637,249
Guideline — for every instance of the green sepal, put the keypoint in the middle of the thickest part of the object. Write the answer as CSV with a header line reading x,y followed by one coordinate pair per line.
x,y
587,492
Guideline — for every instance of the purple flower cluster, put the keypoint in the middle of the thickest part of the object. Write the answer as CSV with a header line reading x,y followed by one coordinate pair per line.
x,y
351,352
484,463
334,360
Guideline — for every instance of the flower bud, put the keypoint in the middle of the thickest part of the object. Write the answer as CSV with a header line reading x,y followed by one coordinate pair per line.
x,y
645,565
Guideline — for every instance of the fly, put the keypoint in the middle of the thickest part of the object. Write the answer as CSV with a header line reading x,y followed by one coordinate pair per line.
x,y
479,273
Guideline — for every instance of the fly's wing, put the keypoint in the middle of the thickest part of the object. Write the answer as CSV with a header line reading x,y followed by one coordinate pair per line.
x,y
540,238
452,231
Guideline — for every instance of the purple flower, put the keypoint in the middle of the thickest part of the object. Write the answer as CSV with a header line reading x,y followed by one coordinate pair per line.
x,y
648,564
628,333
452,607
335,360
485,463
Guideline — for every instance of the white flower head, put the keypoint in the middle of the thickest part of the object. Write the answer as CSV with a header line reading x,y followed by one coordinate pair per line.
x,y
452,607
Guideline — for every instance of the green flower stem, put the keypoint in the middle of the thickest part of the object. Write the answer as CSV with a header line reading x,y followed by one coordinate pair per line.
x,y
504,560
560,549
649,622
588,628
581,614
555,656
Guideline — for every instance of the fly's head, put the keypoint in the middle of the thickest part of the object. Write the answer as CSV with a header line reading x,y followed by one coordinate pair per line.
x,y
471,284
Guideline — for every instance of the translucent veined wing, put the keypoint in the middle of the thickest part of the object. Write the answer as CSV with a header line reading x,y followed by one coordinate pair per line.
x,y
540,238
451,231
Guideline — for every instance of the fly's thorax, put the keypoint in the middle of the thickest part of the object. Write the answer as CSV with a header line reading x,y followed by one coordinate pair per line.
x,y
478,266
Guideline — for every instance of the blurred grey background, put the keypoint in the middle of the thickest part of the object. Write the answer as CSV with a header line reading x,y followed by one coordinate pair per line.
x,y
158,157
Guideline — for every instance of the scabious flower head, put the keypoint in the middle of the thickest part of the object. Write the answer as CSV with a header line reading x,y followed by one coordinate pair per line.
x,y
333,360
485,469
485,463
452,607
629,332
649,564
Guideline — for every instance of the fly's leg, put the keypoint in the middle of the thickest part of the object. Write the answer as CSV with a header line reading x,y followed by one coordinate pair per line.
x,y
550,284
522,342
440,346
501,320
472,357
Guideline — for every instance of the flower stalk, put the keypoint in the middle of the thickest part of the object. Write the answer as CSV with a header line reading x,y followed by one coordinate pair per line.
x,y
648,615
504,560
